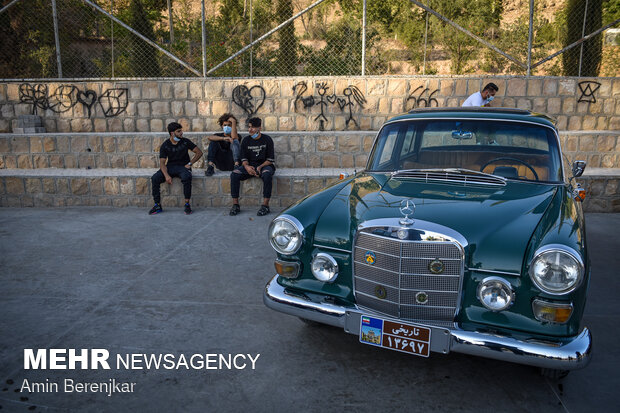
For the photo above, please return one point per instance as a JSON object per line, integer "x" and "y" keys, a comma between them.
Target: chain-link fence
{"x": 247, "y": 38}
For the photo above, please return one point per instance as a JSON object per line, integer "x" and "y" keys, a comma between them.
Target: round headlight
{"x": 285, "y": 235}
{"x": 555, "y": 270}
{"x": 324, "y": 267}
{"x": 495, "y": 293}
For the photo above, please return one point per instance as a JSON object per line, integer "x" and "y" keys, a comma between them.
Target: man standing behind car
{"x": 482, "y": 98}
{"x": 174, "y": 162}
{"x": 224, "y": 147}
{"x": 257, "y": 159}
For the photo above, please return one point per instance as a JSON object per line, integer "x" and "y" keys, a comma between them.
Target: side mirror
{"x": 578, "y": 168}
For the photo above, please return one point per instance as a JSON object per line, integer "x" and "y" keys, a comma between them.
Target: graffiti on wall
{"x": 416, "y": 99}
{"x": 587, "y": 89}
{"x": 249, "y": 99}
{"x": 112, "y": 101}
{"x": 351, "y": 97}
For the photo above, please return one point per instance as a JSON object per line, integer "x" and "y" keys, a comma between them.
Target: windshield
{"x": 509, "y": 149}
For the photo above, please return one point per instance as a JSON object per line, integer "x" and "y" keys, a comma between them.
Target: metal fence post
{"x": 251, "y": 38}
{"x": 529, "y": 39}
{"x": 55, "y": 16}
{"x": 204, "y": 41}
{"x": 364, "y": 40}
{"x": 583, "y": 33}
{"x": 112, "y": 36}
{"x": 170, "y": 22}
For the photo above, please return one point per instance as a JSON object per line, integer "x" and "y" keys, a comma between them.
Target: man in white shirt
{"x": 482, "y": 98}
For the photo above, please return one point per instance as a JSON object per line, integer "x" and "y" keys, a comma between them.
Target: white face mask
{"x": 227, "y": 129}
{"x": 254, "y": 136}
{"x": 176, "y": 139}
{"x": 490, "y": 98}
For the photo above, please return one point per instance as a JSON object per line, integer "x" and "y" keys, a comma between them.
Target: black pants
{"x": 179, "y": 171}
{"x": 266, "y": 174}
{"x": 224, "y": 154}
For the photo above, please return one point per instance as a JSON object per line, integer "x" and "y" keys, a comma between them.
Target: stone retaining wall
{"x": 293, "y": 149}
{"x": 141, "y": 150}
{"x": 301, "y": 104}
{"x": 133, "y": 188}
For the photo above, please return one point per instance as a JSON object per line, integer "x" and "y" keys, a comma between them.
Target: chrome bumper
{"x": 568, "y": 356}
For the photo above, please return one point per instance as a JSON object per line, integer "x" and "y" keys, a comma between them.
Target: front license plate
{"x": 408, "y": 338}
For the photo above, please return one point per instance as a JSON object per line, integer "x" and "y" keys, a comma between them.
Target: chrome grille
{"x": 464, "y": 177}
{"x": 402, "y": 270}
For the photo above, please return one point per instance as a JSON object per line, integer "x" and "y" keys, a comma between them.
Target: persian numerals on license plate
{"x": 403, "y": 337}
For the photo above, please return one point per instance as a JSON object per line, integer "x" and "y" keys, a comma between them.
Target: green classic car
{"x": 464, "y": 233}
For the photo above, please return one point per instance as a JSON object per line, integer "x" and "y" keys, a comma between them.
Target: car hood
{"x": 496, "y": 221}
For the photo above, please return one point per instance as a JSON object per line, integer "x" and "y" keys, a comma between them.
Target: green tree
{"x": 143, "y": 58}
{"x": 592, "y": 48}
{"x": 287, "y": 52}
{"x": 478, "y": 16}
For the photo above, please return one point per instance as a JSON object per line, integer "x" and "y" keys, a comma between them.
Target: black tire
{"x": 553, "y": 374}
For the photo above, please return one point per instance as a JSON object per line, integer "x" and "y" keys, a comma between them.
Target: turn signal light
{"x": 552, "y": 312}
{"x": 343, "y": 175}
{"x": 287, "y": 269}
{"x": 579, "y": 193}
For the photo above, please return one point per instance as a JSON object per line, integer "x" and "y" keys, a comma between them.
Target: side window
{"x": 388, "y": 147}
{"x": 409, "y": 142}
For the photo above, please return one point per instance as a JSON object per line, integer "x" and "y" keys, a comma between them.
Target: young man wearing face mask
{"x": 482, "y": 98}
{"x": 174, "y": 162}
{"x": 224, "y": 147}
{"x": 257, "y": 159}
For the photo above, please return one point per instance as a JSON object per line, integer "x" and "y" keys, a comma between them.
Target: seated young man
{"x": 257, "y": 159}
{"x": 224, "y": 147}
{"x": 174, "y": 162}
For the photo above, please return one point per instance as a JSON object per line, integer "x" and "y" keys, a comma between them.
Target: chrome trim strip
{"x": 301, "y": 305}
{"x": 404, "y": 273}
{"x": 412, "y": 289}
{"x": 513, "y": 274}
{"x": 575, "y": 354}
{"x": 407, "y": 258}
{"x": 427, "y": 227}
{"x": 331, "y": 248}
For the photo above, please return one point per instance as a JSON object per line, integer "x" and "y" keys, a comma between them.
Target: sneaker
{"x": 188, "y": 209}
{"x": 156, "y": 209}
{"x": 264, "y": 210}
{"x": 210, "y": 170}
{"x": 235, "y": 209}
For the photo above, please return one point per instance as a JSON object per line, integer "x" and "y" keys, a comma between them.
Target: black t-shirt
{"x": 257, "y": 151}
{"x": 176, "y": 154}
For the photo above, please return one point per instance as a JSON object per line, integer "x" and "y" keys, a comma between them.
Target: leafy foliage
{"x": 592, "y": 48}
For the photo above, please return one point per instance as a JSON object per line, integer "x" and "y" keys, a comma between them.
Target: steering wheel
{"x": 507, "y": 158}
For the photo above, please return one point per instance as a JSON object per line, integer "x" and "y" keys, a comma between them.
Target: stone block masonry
{"x": 132, "y": 187}
{"x": 340, "y": 149}
{"x": 297, "y": 104}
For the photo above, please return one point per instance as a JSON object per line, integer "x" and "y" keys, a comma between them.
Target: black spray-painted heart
{"x": 250, "y": 100}
{"x": 342, "y": 103}
{"x": 88, "y": 99}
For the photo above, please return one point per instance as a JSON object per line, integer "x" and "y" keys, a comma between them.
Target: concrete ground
{"x": 127, "y": 282}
